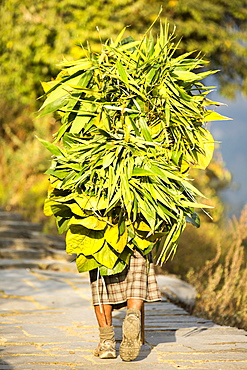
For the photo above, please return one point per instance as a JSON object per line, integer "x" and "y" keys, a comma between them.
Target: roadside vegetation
{"x": 221, "y": 283}
{"x": 36, "y": 36}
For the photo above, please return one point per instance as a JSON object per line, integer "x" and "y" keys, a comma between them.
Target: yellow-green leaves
{"x": 131, "y": 127}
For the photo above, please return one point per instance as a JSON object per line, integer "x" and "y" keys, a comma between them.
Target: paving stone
{"x": 10, "y": 215}
{"x": 52, "y": 326}
{"x": 20, "y": 224}
{"x": 37, "y": 264}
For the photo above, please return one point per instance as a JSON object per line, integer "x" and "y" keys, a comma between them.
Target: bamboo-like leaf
{"x": 108, "y": 159}
{"x": 55, "y": 150}
{"x": 119, "y": 38}
{"x": 137, "y": 171}
{"x": 55, "y": 105}
{"x": 79, "y": 123}
{"x": 122, "y": 72}
{"x": 214, "y": 116}
{"x": 59, "y": 89}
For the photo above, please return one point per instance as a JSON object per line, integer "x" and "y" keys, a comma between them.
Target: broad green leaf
{"x": 90, "y": 203}
{"x": 106, "y": 257}
{"x": 142, "y": 243}
{"x": 86, "y": 263}
{"x": 92, "y": 222}
{"x": 62, "y": 224}
{"x": 117, "y": 241}
{"x": 141, "y": 226}
{"x": 118, "y": 267}
{"x": 61, "y": 210}
{"x": 79, "y": 239}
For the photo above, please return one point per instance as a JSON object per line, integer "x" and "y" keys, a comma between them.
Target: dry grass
{"x": 222, "y": 283}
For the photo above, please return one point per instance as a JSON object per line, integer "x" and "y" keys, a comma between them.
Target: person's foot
{"x": 106, "y": 349}
{"x": 131, "y": 343}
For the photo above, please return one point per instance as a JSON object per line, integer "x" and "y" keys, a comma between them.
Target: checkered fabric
{"x": 137, "y": 281}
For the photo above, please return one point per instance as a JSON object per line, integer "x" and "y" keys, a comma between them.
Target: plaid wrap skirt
{"x": 136, "y": 281}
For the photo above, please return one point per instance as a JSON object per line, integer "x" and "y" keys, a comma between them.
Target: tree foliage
{"x": 36, "y": 35}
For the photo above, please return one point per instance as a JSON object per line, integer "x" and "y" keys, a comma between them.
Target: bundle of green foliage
{"x": 132, "y": 125}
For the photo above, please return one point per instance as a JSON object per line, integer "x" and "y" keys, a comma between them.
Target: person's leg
{"x": 131, "y": 342}
{"x": 106, "y": 347}
{"x": 104, "y": 314}
{"x": 135, "y": 303}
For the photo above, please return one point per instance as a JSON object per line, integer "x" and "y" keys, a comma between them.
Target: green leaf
{"x": 122, "y": 72}
{"x": 132, "y": 121}
{"x": 86, "y": 263}
{"x": 51, "y": 147}
{"x": 108, "y": 159}
{"x": 60, "y": 210}
{"x": 55, "y": 105}
{"x": 106, "y": 256}
{"x": 79, "y": 239}
{"x": 194, "y": 219}
{"x": 79, "y": 123}
{"x": 137, "y": 171}
{"x": 116, "y": 240}
{"x": 119, "y": 37}
{"x": 145, "y": 129}
{"x": 92, "y": 222}
{"x": 60, "y": 90}
{"x": 214, "y": 116}
{"x": 118, "y": 267}
{"x": 62, "y": 224}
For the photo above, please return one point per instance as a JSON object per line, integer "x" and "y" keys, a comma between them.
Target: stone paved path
{"x": 47, "y": 322}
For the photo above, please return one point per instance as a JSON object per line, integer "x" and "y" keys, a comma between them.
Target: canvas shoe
{"x": 106, "y": 349}
{"x": 131, "y": 343}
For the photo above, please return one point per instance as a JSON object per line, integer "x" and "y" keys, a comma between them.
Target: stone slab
{"x": 48, "y": 323}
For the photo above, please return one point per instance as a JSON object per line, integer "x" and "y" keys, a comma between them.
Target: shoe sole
{"x": 130, "y": 346}
{"x": 105, "y": 355}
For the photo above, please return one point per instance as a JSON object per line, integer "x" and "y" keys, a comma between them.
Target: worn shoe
{"x": 131, "y": 343}
{"x": 106, "y": 349}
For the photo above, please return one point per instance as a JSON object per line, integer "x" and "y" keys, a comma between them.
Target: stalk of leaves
{"x": 132, "y": 124}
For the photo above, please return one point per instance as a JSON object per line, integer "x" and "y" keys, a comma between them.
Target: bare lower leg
{"x": 135, "y": 303}
{"x": 104, "y": 316}
{"x": 107, "y": 343}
